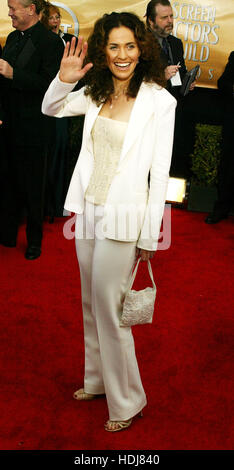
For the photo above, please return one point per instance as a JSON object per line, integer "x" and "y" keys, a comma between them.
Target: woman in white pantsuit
{"x": 128, "y": 134}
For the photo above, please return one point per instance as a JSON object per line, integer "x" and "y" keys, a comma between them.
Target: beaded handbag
{"x": 138, "y": 306}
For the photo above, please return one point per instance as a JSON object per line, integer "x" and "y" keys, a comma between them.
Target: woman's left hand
{"x": 145, "y": 255}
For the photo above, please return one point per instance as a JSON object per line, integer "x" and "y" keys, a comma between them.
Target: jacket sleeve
{"x": 60, "y": 101}
{"x": 159, "y": 175}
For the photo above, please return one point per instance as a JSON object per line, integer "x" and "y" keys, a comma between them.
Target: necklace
{"x": 117, "y": 95}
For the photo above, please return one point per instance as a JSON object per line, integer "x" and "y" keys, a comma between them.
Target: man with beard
{"x": 159, "y": 19}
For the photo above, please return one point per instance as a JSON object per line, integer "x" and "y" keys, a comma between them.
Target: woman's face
{"x": 54, "y": 21}
{"x": 122, "y": 53}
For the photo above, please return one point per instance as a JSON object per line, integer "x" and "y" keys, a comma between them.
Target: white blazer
{"x": 147, "y": 148}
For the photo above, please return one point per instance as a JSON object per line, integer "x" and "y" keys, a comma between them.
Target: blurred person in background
{"x": 51, "y": 18}
{"x": 3, "y": 164}
{"x": 160, "y": 22}
{"x": 225, "y": 201}
{"x": 58, "y": 155}
{"x": 30, "y": 60}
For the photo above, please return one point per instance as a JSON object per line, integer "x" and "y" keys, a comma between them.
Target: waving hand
{"x": 71, "y": 68}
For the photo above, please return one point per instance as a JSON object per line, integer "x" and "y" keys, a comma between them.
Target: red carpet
{"x": 185, "y": 356}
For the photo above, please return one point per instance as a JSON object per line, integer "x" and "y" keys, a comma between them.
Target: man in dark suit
{"x": 2, "y": 154}
{"x": 30, "y": 60}
{"x": 159, "y": 19}
{"x": 225, "y": 200}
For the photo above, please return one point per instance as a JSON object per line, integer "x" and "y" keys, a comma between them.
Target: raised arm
{"x": 59, "y": 99}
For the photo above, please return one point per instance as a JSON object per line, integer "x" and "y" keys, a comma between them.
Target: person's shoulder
{"x": 231, "y": 57}
{"x": 52, "y": 37}
{"x": 68, "y": 37}
{"x": 11, "y": 35}
{"x": 158, "y": 92}
{"x": 174, "y": 39}
{"x": 46, "y": 35}
{"x": 55, "y": 39}
{"x": 157, "y": 97}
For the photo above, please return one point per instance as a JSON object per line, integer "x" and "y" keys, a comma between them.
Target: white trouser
{"x": 110, "y": 360}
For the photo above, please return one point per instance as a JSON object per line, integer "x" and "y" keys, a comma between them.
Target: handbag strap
{"x": 135, "y": 271}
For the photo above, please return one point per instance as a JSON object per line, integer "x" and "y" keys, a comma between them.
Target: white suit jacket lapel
{"x": 93, "y": 113}
{"x": 143, "y": 109}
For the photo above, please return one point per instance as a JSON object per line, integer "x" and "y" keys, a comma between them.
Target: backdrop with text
{"x": 205, "y": 27}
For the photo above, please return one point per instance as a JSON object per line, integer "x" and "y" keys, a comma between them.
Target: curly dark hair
{"x": 98, "y": 81}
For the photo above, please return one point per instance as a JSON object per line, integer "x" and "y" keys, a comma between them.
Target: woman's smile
{"x": 122, "y": 53}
